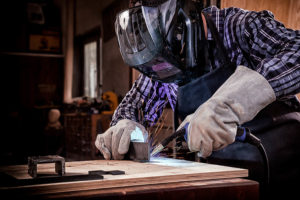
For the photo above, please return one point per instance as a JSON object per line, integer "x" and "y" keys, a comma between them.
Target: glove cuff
{"x": 246, "y": 92}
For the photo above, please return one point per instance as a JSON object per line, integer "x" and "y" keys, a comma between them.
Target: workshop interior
{"x": 63, "y": 78}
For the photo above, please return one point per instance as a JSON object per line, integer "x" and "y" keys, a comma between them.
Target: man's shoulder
{"x": 212, "y": 9}
{"x": 229, "y": 12}
{"x": 225, "y": 11}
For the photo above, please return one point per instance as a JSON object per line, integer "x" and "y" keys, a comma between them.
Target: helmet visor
{"x": 160, "y": 69}
{"x": 136, "y": 44}
{"x": 141, "y": 31}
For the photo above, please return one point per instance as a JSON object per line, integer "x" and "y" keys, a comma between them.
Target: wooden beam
{"x": 68, "y": 39}
{"x": 284, "y": 11}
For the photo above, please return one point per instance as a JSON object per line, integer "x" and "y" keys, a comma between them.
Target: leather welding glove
{"x": 114, "y": 143}
{"x": 214, "y": 124}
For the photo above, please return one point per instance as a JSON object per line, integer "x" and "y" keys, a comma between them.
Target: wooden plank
{"x": 294, "y": 17}
{"x": 158, "y": 171}
{"x": 212, "y": 189}
{"x": 284, "y": 11}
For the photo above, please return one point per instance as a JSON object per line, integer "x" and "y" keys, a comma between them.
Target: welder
{"x": 218, "y": 69}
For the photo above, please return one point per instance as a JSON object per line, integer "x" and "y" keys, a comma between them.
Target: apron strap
{"x": 221, "y": 50}
{"x": 218, "y": 41}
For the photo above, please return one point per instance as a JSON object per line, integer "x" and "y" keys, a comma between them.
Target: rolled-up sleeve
{"x": 146, "y": 97}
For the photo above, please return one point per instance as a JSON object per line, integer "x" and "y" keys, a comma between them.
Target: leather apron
{"x": 277, "y": 125}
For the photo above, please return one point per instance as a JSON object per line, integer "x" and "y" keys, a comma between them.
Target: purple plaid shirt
{"x": 274, "y": 52}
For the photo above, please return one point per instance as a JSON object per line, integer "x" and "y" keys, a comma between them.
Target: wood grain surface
{"x": 286, "y": 11}
{"x": 157, "y": 171}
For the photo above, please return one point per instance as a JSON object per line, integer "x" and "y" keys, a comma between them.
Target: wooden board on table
{"x": 157, "y": 171}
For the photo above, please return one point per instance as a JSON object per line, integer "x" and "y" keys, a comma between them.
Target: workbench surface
{"x": 155, "y": 179}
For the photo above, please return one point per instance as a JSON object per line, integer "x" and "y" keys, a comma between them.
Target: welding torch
{"x": 243, "y": 135}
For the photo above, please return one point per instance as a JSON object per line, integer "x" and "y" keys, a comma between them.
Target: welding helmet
{"x": 158, "y": 40}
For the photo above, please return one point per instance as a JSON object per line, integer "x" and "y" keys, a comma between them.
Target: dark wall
{"x": 31, "y": 77}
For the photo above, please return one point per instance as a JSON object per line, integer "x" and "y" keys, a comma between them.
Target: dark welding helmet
{"x": 157, "y": 40}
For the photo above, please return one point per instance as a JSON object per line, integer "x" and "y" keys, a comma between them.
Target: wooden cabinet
{"x": 80, "y": 134}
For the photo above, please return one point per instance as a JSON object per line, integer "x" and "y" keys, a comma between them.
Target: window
{"x": 90, "y": 69}
{"x": 86, "y": 71}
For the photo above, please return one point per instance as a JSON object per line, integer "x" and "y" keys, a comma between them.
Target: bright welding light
{"x": 137, "y": 135}
{"x": 172, "y": 162}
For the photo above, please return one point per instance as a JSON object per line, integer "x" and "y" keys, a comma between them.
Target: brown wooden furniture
{"x": 159, "y": 179}
{"x": 81, "y": 130}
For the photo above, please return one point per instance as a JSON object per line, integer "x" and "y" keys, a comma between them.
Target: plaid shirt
{"x": 274, "y": 52}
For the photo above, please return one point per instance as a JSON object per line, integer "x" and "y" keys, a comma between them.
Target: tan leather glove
{"x": 114, "y": 143}
{"x": 214, "y": 124}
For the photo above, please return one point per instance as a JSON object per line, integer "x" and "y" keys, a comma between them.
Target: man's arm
{"x": 145, "y": 95}
{"x": 275, "y": 52}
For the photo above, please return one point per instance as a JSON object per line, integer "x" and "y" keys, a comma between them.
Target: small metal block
{"x": 139, "y": 151}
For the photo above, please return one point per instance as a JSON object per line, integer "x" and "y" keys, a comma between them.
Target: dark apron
{"x": 278, "y": 127}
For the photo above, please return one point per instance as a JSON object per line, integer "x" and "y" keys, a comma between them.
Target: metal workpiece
{"x": 35, "y": 160}
{"x": 139, "y": 151}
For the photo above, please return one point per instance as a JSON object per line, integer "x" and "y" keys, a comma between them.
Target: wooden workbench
{"x": 159, "y": 179}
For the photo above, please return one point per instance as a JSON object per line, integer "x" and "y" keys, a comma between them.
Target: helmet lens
{"x": 165, "y": 70}
{"x": 160, "y": 69}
